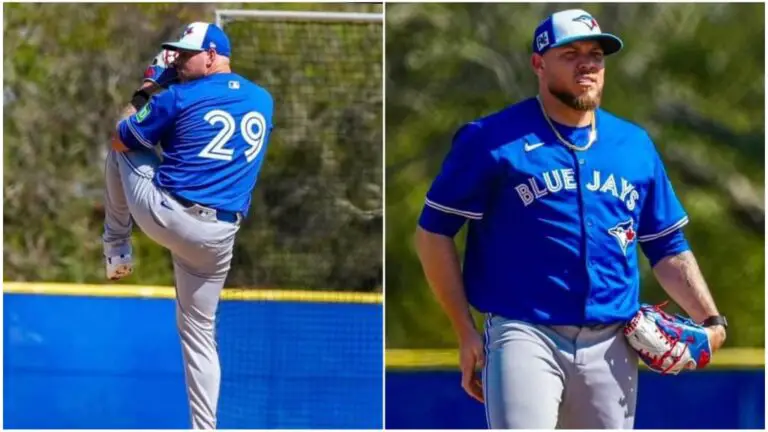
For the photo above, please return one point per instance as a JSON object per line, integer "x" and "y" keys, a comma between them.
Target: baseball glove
{"x": 161, "y": 71}
{"x": 668, "y": 344}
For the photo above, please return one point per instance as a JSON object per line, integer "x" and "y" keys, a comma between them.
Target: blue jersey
{"x": 553, "y": 232}
{"x": 214, "y": 133}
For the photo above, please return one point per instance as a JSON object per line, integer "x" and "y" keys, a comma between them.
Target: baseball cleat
{"x": 119, "y": 266}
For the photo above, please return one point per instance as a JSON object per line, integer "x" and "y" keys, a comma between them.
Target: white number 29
{"x": 216, "y": 148}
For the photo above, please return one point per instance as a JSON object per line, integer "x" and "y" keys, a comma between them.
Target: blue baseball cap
{"x": 201, "y": 36}
{"x": 564, "y": 27}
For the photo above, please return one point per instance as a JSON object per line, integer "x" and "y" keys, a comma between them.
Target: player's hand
{"x": 716, "y": 336}
{"x": 472, "y": 356}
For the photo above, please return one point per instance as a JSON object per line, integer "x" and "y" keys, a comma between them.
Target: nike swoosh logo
{"x": 529, "y": 147}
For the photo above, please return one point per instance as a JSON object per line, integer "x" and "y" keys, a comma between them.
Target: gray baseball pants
{"x": 564, "y": 377}
{"x": 201, "y": 248}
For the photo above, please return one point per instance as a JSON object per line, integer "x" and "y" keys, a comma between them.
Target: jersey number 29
{"x": 216, "y": 148}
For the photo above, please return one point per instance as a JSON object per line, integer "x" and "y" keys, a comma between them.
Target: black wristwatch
{"x": 715, "y": 321}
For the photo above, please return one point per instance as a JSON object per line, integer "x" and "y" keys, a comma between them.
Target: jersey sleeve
{"x": 662, "y": 213}
{"x": 145, "y": 128}
{"x": 460, "y": 190}
{"x": 672, "y": 244}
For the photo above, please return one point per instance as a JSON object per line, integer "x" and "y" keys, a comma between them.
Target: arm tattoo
{"x": 681, "y": 278}
{"x": 690, "y": 270}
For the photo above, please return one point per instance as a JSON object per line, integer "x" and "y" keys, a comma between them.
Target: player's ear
{"x": 211, "y": 57}
{"x": 537, "y": 63}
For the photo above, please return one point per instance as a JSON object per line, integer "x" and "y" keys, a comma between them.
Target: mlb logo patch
{"x": 542, "y": 40}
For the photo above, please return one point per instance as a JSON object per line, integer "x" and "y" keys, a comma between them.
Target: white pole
{"x": 299, "y": 16}
{"x": 219, "y": 22}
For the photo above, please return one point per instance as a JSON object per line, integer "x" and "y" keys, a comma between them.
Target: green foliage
{"x": 319, "y": 203}
{"x": 691, "y": 74}
{"x": 316, "y": 216}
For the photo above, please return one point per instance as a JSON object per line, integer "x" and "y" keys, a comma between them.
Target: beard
{"x": 587, "y": 101}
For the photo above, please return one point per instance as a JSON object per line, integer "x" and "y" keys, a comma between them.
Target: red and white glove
{"x": 668, "y": 344}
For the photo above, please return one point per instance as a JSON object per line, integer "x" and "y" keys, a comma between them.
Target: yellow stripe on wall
{"x": 165, "y": 292}
{"x": 449, "y": 358}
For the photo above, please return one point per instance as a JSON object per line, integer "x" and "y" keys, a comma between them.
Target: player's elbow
{"x": 118, "y": 145}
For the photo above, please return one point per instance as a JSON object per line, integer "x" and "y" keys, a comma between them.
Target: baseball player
{"x": 558, "y": 194}
{"x": 214, "y": 126}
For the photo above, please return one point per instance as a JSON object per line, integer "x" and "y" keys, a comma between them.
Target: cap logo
{"x": 189, "y": 30}
{"x": 587, "y": 20}
{"x": 542, "y": 40}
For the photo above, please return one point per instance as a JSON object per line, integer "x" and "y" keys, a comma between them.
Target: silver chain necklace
{"x": 592, "y": 133}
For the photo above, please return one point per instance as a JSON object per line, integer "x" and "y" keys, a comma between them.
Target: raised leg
{"x": 118, "y": 223}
